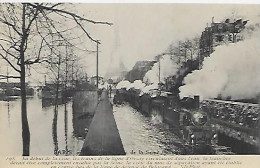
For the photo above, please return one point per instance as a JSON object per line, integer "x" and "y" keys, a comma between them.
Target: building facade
{"x": 139, "y": 70}
{"x": 220, "y": 33}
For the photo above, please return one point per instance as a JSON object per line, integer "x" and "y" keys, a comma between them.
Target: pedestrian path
{"x": 103, "y": 137}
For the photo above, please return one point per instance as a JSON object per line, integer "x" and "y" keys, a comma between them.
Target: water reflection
{"x": 8, "y": 111}
{"x": 54, "y": 130}
{"x": 146, "y": 135}
{"x": 51, "y": 128}
{"x": 81, "y": 123}
{"x": 66, "y": 128}
{"x": 66, "y": 151}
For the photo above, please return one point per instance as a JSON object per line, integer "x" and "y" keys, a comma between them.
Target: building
{"x": 220, "y": 33}
{"x": 139, "y": 70}
{"x": 116, "y": 73}
{"x": 5, "y": 85}
{"x": 93, "y": 80}
{"x": 215, "y": 35}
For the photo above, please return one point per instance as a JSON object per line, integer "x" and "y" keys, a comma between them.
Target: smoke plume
{"x": 168, "y": 67}
{"x": 232, "y": 70}
{"x": 123, "y": 84}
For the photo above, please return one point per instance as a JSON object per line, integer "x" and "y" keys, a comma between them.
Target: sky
{"x": 142, "y": 31}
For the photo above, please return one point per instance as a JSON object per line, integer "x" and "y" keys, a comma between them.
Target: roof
{"x": 94, "y": 77}
{"x": 86, "y": 86}
{"x": 139, "y": 70}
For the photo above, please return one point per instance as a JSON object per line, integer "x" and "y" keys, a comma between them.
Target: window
{"x": 220, "y": 28}
{"x": 219, "y": 38}
{"x": 230, "y": 37}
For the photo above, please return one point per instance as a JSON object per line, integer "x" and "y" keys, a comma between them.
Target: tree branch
{"x": 97, "y": 41}
{"x": 8, "y": 76}
{"x": 13, "y": 26}
{"x": 1, "y": 39}
{"x": 6, "y": 59}
{"x": 68, "y": 13}
{"x": 7, "y": 51}
{"x": 34, "y": 17}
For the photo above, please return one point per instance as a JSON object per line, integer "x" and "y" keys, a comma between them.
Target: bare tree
{"x": 27, "y": 40}
{"x": 189, "y": 49}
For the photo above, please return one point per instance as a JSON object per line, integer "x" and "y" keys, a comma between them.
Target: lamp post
{"x": 159, "y": 70}
{"x": 7, "y": 74}
{"x": 97, "y": 63}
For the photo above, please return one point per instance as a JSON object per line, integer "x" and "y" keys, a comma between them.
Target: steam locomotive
{"x": 192, "y": 125}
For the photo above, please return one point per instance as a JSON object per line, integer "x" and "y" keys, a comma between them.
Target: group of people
{"x": 242, "y": 114}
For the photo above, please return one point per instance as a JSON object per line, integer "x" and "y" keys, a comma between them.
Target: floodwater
{"x": 144, "y": 135}
{"x": 62, "y": 132}
{"x": 51, "y": 133}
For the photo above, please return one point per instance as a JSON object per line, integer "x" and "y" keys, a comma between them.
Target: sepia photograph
{"x": 129, "y": 79}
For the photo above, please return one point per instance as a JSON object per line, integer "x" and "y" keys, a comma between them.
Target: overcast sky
{"x": 141, "y": 31}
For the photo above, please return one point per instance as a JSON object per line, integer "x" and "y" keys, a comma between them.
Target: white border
{"x": 144, "y": 1}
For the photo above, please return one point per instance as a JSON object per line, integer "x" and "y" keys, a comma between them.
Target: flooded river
{"x": 46, "y": 139}
{"x": 56, "y": 133}
{"x": 144, "y": 135}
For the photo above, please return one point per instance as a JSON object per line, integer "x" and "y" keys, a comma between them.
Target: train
{"x": 191, "y": 124}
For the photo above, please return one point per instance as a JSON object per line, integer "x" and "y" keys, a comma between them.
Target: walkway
{"x": 103, "y": 137}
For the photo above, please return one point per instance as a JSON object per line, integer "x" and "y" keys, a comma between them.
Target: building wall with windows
{"x": 219, "y": 34}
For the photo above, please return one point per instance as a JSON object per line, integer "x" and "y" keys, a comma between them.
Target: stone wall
{"x": 85, "y": 101}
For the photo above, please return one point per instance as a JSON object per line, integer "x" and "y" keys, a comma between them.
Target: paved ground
{"x": 103, "y": 137}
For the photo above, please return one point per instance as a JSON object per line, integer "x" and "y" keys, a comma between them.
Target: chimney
{"x": 227, "y": 20}
{"x": 197, "y": 101}
{"x": 212, "y": 19}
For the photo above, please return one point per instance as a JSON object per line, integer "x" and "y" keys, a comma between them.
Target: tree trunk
{"x": 54, "y": 131}
{"x": 66, "y": 128}
{"x": 57, "y": 84}
{"x": 25, "y": 125}
{"x": 55, "y": 117}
